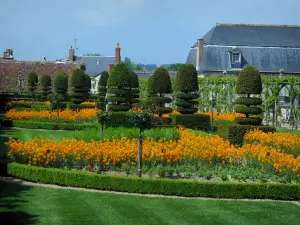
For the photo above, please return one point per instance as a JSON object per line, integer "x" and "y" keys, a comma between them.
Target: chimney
{"x": 110, "y": 67}
{"x": 118, "y": 54}
{"x": 199, "y": 49}
{"x": 8, "y": 54}
{"x": 71, "y": 54}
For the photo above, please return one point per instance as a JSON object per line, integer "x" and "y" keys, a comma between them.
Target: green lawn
{"x": 280, "y": 130}
{"x": 39, "y": 205}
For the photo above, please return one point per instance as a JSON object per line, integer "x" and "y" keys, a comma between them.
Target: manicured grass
{"x": 39, "y": 205}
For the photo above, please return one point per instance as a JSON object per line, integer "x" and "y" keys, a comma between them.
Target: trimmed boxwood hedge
{"x": 53, "y": 125}
{"x": 192, "y": 121}
{"x": 155, "y": 186}
{"x": 235, "y": 132}
{"x": 80, "y": 106}
{"x": 248, "y": 110}
{"x": 248, "y": 101}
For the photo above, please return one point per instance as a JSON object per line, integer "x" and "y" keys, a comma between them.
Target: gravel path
{"x": 14, "y": 180}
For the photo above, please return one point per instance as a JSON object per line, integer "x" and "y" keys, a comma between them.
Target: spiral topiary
{"x": 78, "y": 83}
{"x": 32, "y": 81}
{"x": 118, "y": 91}
{"x": 186, "y": 86}
{"x": 46, "y": 85}
{"x": 159, "y": 85}
{"x": 248, "y": 82}
{"x": 60, "y": 83}
{"x": 102, "y": 87}
{"x": 134, "y": 88}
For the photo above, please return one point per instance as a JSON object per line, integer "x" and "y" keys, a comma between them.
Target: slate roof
{"x": 96, "y": 64}
{"x": 268, "y": 48}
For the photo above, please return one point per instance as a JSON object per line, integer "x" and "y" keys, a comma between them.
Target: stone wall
{"x": 9, "y": 70}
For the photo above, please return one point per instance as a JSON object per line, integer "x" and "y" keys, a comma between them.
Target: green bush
{"x": 248, "y": 121}
{"x": 32, "y": 81}
{"x": 78, "y": 83}
{"x": 235, "y": 132}
{"x": 155, "y": 186}
{"x": 192, "y": 121}
{"x": 46, "y": 85}
{"x": 134, "y": 88}
{"x": 186, "y": 85}
{"x": 60, "y": 83}
{"x": 158, "y": 85}
{"x": 53, "y": 125}
{"x": 88, "y": 86}
{"x": 102, "y": 90}
{"x": 248, "y": 82}
{"x": 119, "y": 86}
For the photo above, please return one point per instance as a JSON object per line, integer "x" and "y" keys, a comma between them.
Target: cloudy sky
{"x": 149, "y": 31}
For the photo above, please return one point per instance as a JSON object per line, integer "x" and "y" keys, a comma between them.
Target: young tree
{"x": 186, "y": 87}
{"x": 248, "y": 82}
{"x": 78, "y": 83}
{"x": 102, "y": 87}
{"x": 46, "y": 85}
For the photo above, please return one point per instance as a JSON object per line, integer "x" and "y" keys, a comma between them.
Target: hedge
{"x": 155, "y": 186}
{"x": 235, "y": 133}
{"x": 80, "y": 106}
{"x": 192, "y": 121}
{"x": 53, "y": 125}
{"x": 248, "y": 101}
{"x": 247, "y": 110}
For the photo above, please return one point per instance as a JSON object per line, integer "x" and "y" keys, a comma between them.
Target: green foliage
{"x": 32, "y": 81}
{"x": 52, "y": 125}
{"x": 235, "y": 133}
{"x": 134, "y": 88}
{"x": 248, "y": 121}
{"x": 194, "y": 121}
{"x": 78, "y": 82}
{"x": 80, "y": 106}
{"x": 102, "y": 90}
{"x": 46, "y": 85}
{"x": 249, "y": 81}
{"x": 61, "y": 83}
{"x": 161, "y": 82}
{"x": 88, "y": 85}
{"x": 154, "y": 186}
{"x": 247, "y": 110}
{"x": 248, "y": 101}
{"x": 187, "y": 79}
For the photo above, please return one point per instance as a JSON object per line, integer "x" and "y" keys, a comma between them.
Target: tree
{"x": 32, "y": 81}
{"x": 160, "y": 85}
{"x": 134, "y": 87}
{"x": 60, "y": 83}
{"x": 186, "y": 86}
{"x": 46, "y": 85}
{"x": 88, "y": 85}
{"x": 248, "y": 82}
{"x": 129, "y": 63}
{"x": 139, "y": 66}
{"x": 78, "y": 86}
{"x": 102, "y": 87}
{"x": 118, "y": 88}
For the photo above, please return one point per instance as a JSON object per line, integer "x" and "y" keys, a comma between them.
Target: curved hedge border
{"x": 53, "y": 125}
{"x": 155, "y": 186}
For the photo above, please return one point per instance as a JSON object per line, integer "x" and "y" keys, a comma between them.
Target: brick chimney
{"x": 199, "y": 53}
{"x": 118, "y": 54}
{"x": 110, "y": 67}
{"x": 71, "y": 54}
{"x": 8, "y": 54}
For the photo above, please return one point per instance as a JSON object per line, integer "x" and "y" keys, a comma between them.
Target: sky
{"x": 149, "y": 31}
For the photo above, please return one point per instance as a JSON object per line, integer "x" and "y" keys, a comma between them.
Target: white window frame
{"x": 234, "y": 57}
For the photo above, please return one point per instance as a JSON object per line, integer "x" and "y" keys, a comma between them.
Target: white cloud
{"x": 108, "y": 12}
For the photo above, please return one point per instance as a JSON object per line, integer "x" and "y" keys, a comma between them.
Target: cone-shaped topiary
{"x": 32, "y": 81}
{"x": 78, "y": 94}
{"x": 102, "y": 87}
{"x": 46, "y": 85}
{"x": 118, "y": 88}
{"x": 248, "y": 82}
{"x": 88, "y": 85}
{"x": 186, "y": 86}
{"x": 134, "y": 88}
{"x": 60, "y": 83}
{"x": 159, "y": 85}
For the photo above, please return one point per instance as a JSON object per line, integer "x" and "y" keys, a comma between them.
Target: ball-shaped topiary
{"x": 134, "y": 88}
{"x": 46, "y": 85}
{"x": 60, "y": 83}
{"x": 159, "y": 85}
{"x": 186, "y": 86}
{"x": 32, "y": 81}
{"x": 119, "y": 88}
{"x": 102, "y": 87}
{"x": 78, "y": 83}
{"x": 248, "y": 82}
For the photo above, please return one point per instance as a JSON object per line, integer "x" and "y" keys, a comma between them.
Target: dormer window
{"x": 236, "y": 57}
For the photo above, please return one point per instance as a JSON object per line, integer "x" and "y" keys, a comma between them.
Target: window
{"x": 235, "y": 57}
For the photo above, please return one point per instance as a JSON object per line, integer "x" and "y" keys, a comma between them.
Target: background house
{"x": 230, "y": 47}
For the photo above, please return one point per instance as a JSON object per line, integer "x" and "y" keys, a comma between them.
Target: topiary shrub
{"x": 248, "y": 82}
{"x": 134, "y": 88}
{"x": 186, "y": 86}
{"x": 78, "y": 83}
{"x": 118, "y": 91}
{"x": 32, "y": 81}
{"x": 88, "y": 86}
{"x": 160, "y": 84}
{"x": 46, "y": 85}
{"x": 102, "y": 87}
{"x": 60, "y": 83}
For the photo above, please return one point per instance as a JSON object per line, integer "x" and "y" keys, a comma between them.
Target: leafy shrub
{"x": 119, "y": 86}
{"x": 154, "y": 186}
{"x": 46, "y": 85}
{"x": 102, "y": 90}
{"x": 248, "y": 82}
{"x": 186, "y": 85}
{"x": 32, "y": 81}
{"x": 194, "y": 121}
{"x": 235, "y": 133}
{"x": 78, "y": 83}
